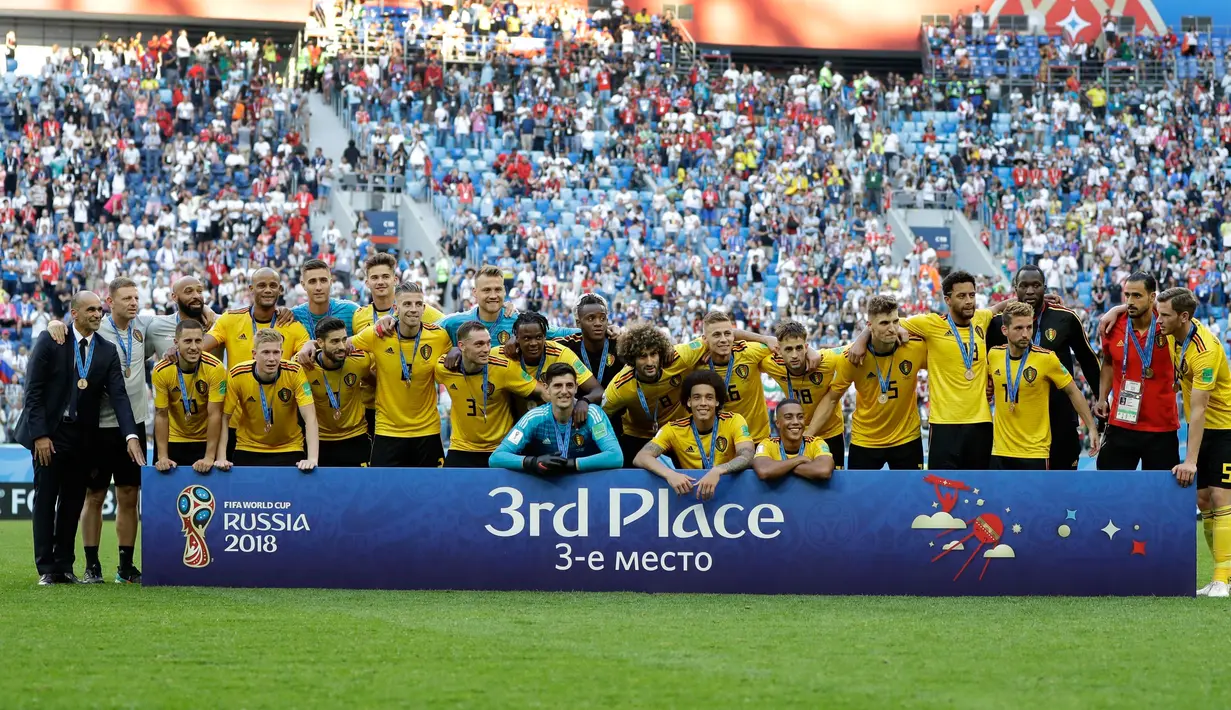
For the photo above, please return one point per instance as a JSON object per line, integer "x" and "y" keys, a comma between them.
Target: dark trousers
{"x": 1123, "y": 449}
{"x": 959, "y": 447}
{"x": 467, "y": 459}
{"x": 903, "y": 457}
{"x": 346, "y": 453}
{"x": 1012, "y": 463}
{"x": 631, "y": 446}
{"x": 837, "y": 449}
{"x": 59, "y": 494}
{"x": 409, "y": 452}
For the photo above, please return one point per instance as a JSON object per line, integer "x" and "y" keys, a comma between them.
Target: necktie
{"x": 75, "y": 392}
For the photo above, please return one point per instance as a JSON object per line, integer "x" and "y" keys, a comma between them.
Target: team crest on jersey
{"x": 284, "y": 394}
{"x": 610, "y": 359}
{"x": 675, "y": 380}
{"x": 425, "y": 352}
{"x": 490, "y": 389}
{"x": 350, "y": 379}
{"x": 1030, "y": 374}
{"x": 201, "y": 387}
{"x": 742, "y": 371}
{"x": 579, "y": 440}
{"x": 137, "y": 336}
{"x": 979, "y": 331}
{"x": 721, "y": 443}
{"x": 503, "y": 337}
{"x": 905, "y": 367}
{"x": 1183, "y": 367}
{"x": 815, "y": 378}
{"x": 1160, "y": 341}
{"x": 1050, "y": 334}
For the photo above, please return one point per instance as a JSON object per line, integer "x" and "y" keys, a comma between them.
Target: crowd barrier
{"x": 866, "y": 532}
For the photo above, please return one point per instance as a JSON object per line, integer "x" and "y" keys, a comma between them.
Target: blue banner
{"x": 866, "y": 532}
{"x": 384, "y": 226}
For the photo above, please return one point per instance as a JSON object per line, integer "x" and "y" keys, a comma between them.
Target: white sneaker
{"x": 1205, "y": 591}
{"x": 1219, "y": 589}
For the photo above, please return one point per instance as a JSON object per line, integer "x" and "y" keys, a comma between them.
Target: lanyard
{"x": 707, "y": 460}
{"x": 968, "y": 351}
{"x": 726, "y": 382}
{"x": 266, "y": 410}
{"x": 1038, "y": 324}
{"x": 652, "y": 416}
{"x": 562, "y": 442}
{"x": 407, "y": 369}
{"x": 314, "y": 320}
{"x": 83, "y": 368}
{"x": 788, "y": 457}
{"x": 883, "y": 379}
{"x": 1146, "y": 354}
{"x": 467, "y": 377}
{"x": 538, "y": 372}
{"x": 1179, "y": 370}
{"x": 126, "y": 350}
{"x": 1014, "y": 384}
{"x": 602, "y": 362}
{"x": 185, "y": 397}
{"x": 252, "y": 314}
{"x": 335, "y": 398}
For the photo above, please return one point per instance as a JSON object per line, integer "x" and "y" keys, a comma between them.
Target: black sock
{"x": 126, "y": 557}
{"x": 91, "y": 556}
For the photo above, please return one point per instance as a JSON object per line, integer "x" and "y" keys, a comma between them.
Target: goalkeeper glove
{"x": 543, "y": 464}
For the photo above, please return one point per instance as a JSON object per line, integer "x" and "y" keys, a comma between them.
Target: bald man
{"x": 65, "y": 385}
{"x": 235, "y": 330}
{"x": 188, "y": 297}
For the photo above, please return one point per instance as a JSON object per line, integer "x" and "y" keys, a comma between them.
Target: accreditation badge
{"x": 1129, "y": 404}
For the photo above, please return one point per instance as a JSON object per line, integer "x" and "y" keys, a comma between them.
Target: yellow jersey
{"x": 771, "y": 448}
{"x": 284, "y": 396}
{"x": 235, "y": 330}
{"x": 406, "y": 410}
{"x": 954, "y": 399}
{"x": 367, "y": 315}
{"x": 207, "y": 384}
{"x": 344, "y": 383}
{"x": 1023, "y": 431}
{"x": 809, "y": 387}
{"x": 662, "y": 398}
{"x": 481, "y": 416}
{"x": 876, "y": 424}
{"x": 552, "y": 353}
{"x": 677, "y": 440}
{"x": 745, "y": 393}
{"x": 1203, "y": 366}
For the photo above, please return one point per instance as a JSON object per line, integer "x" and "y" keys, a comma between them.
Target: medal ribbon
{"x": 1179, "y": 370}
{"x": 602, "y": 362}
{"x": 466, "y": 377}
{"x": 968, "y": 351}
{"x": 1038, "y": 324}
{"x": 407, "y": 369}
{"x": 83, "y": 368}
{"x": 652, "y": 416}
{"x": 1147, "y": 354}
{"x": 185, "y": 397}
{"x": 335, "y": 399}
{"x": 266, "y": 410}
{"x": 707, "y": 460}
{"x": 884, "y": 379}
{"x": 563, "y": 442}
{"x": 126, "y": 350}
{"x": 726, "y": 381}
{"x": 252, "y": 315}
{"x": 1014, "y": 385}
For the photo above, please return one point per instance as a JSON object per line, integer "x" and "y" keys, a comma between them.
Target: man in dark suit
{"x": 65, "y": 385}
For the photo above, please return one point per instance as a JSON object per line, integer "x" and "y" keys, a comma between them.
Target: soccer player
{"x": 960, "y": 425}
{"x": 407, "y": 421}
{"x": 807, "y": 385}
{"x": 594, "y": 345}
{"x": 1023, "y": 376}
{"x": 791, "y": 451}
{"x": 709, "y": 439}
{"x": 188, "y": 397}
{"x": 317, "y": 280}
{"x": 188, "y": 295}
{"x": 1059, "y": 330}
{"x": 335, "y": 390}
{"x": 490, "y": 311}
{"x": 546, "y": 441}
{"x": 124, "y": 330}
{"x": 885, "y": 426}
{"x": 1138, "y": 374}
{"x": 534, "y": 354}
{"x": 644, "y": 395}
{"x": 263, "y": 397}
{"x": 480, "y": 390}
{"x": 235, "y": 331}
{"x": 380, "y": 276}
{"x": 1205, "y": 381}
{"x": 739, "y": 364}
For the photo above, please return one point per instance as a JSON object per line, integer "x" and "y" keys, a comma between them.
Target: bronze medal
{"x": 1175, "y": 386}
{"x": 882, "y": 398}
{"x": 126, "y": 371}
{"x": 1147, "y": 372}
{"x": 268, "y": 426}
{"x": 82, "y": 383}
{"x": 1012, "y": 407}
{"x": 337, "y": 414}
{"x": 970, "y": 375}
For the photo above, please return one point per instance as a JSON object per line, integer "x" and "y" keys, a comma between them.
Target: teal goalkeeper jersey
{"x": 500, "y": 329}
{"x": 593, "y": 445}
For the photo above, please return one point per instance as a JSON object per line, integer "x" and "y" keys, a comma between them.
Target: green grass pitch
{"x": 128, "y": 647}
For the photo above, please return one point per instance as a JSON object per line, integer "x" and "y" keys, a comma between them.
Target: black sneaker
{"x": 132, "y": 575}
{"x": 93, "y": 575}
{"x": 46, "y": 580}
{"x": 69, "y": 578}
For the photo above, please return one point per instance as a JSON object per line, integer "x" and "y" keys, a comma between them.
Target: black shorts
{"x": 467, "y": 459}
{"x": 631, "y": 446}
{"x": 111, "y": 458}
{"x": 959, "y": 447}
{"x": 407, "y": 452}
{"x": 369, "y": 415}
{"x": 1065, "y": 445}
{"x": 232, "y": 440}
{"x": 1214, "y": 459}
{"x": 185, "y": 453}
{"x": 1012, "y": 463}
{"x": 903, "y": 457}
{"x": 266, "y": 458}
{"x": 837, "y": 449}
{"x": 346, "y": 453}
{"x": 1125, "y": 449}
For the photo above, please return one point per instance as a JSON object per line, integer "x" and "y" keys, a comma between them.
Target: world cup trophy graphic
{"x": 196, "y": 509}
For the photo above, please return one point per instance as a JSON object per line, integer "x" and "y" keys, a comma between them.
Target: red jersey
{"x": 1158, "y": 409}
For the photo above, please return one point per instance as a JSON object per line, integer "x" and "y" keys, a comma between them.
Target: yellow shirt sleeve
{"x": 234, "y": 388}
{"x": 665, "y": 439}
{"x": 301, "y": 388}
{"x": 515, "y": 380}
{"x": 364, "y": 340}
{"x": 817, "y": 448}
{"x": 220, "y": 327}
{"x": 739, "y": 429}
{"x": 768, "y": 449}
{"x": 1056, "y": 372}
{"x": 1204, "y": 367}
{"x": 162, "y": 392}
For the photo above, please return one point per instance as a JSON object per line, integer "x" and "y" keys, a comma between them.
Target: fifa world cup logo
{"x": 196, "y": 509}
